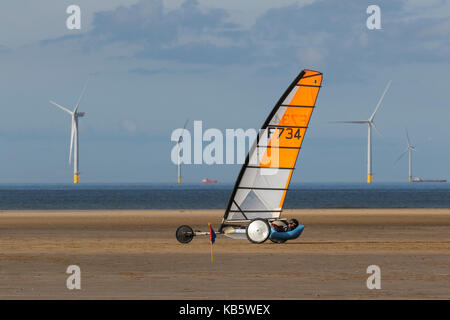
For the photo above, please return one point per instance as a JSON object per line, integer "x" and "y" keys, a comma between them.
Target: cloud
{"x": 333, "y": 36}
{"x": 322, "y": 34}
{"x": 160, "y": 34}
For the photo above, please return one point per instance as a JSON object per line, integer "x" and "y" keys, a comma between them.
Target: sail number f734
{"x": 289, "y": 133}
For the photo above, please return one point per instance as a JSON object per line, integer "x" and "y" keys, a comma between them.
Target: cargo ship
{"x": 209, "y": 181}
{"x": 416, "y": 179}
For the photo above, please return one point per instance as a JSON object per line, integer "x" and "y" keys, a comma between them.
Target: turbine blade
{"x": 81, "y": 96}
{"x": 180, "y": 138}
{"x": 61, "y": 107}
{"x": 379, "y": 101}
{"x": 375, "y": 127}
{"x": 401, "y": 156}
{"x": 407, "y": 138}
{"x": 185, "y": 124}
{"x": 356, "y": 121}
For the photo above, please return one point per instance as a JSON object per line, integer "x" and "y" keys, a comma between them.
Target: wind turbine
{"x": 180, "y": 140}
{"x": 75, "y": 114}
{"x": 409, "y": 149}
{"x": 370, "y": 125}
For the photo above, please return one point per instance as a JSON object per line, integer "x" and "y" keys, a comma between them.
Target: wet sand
{"x": 134, "y": 255}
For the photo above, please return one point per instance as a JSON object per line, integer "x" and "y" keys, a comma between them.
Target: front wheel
{"x": 258, "y": 231}
{"x": 184, "y": 234}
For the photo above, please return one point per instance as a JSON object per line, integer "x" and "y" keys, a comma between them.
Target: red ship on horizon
{"x": 209, "y": 181}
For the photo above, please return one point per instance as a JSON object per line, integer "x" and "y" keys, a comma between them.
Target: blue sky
{"x": 152, "y": 64}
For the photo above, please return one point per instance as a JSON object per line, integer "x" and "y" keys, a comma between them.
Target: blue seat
{"x": 289, "y": 235}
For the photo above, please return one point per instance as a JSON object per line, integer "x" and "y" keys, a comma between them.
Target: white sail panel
{"x": 257, "y": 178}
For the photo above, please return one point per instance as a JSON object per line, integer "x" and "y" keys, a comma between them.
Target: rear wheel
{"x": 184, "y": 234}
{"x": 258, "y": 231}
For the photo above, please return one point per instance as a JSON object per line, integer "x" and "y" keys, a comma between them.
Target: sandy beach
{"x": 134, "y": 255}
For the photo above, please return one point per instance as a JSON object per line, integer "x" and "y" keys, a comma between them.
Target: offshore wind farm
{"x": 135, "y": 224}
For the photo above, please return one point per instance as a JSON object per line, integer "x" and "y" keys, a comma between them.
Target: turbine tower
{"x": 409, "y": 149}
{"x": 74, "y": 150}
{"x": 180, "y": 140}
{"x": 370, "y": 125}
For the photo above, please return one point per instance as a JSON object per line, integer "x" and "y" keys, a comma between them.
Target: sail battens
{"x": 278, "y": 147}
{"x": 294, "y": 106}
{"x": 259, "y": 188}
{"x": 261, "y": 167}
{"x": 308, "y": 85}
{"x": 256, "y": 211}
{"x": 311, "y": 75}
{"x": 278, "y": 126}
{"x": 264, "y": 179}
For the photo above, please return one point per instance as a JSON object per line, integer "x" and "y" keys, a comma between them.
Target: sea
{"x": 216, "y": 196}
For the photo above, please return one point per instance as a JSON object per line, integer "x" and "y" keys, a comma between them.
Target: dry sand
{"x": 134, "y": 255}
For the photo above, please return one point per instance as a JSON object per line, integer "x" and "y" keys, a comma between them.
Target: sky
{"x": 152, "y": 64}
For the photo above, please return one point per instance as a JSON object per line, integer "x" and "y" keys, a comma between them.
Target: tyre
{"x": 277, "y": 240}
{"x": 258, "y": 231}
{"x": 184, "y": 234}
